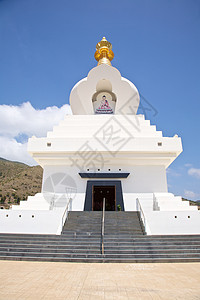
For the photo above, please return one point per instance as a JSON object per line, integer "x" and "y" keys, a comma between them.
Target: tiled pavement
{"x": 49, "y": 280}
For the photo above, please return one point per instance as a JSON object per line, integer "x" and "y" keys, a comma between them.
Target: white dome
{"x": 104, "y": 78}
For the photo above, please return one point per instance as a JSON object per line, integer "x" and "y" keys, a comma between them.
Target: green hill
{"x": 18, "y": 181}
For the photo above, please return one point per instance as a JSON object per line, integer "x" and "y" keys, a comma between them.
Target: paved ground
{"x": 49, "y": 280}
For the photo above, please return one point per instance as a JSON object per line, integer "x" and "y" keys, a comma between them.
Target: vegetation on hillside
{"x": 18, "y": 181}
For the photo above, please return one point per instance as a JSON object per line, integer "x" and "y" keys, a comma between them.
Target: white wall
{"x": 65, "y": 179}
{"x": 145, "y": 179}
{"x": 32, "y": 221}
{"x": 173, "y": 222}
{"x": 179, "y": 219}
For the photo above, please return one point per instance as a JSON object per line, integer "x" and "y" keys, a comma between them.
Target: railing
{"x": 52, "y": 203}
{"x": 65, "y": 214}
{"x": 139, "y": 208}
{"x": 155, "y": 203}
{"x": 102, "y": 226}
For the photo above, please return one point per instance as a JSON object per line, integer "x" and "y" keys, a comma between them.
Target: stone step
{"x": 39, "y": 246}
{"x": 107, "y": 256}
{"x": 153, "y": 251}
{"x": 94, "y": 250}
{"x": 68, "y": 242}
{"x": 144, "y": 237}
{"x": 147, "y": 244}
{"x": 24, "y": 251}
{"x": 111, "y": 247}
{"x": 114, "y": 240}
{"x": 103, "y": 260}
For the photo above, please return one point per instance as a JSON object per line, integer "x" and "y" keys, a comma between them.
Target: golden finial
{"x": 104, "y": 53}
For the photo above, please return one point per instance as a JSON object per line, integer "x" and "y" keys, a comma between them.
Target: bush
{"x": 2, "y": 201}
{"x": 119, "y": 207}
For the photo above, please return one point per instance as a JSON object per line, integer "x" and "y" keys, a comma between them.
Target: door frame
{"x": 88, "y": 206}
{"x": 103, "y": 187}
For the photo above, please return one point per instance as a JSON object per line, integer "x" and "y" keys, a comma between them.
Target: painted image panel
{"x": 103, "y": 103}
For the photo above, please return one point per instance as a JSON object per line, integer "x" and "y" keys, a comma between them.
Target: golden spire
{"x": 104, "y": 53}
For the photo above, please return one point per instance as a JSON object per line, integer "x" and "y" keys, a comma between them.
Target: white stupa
{"x": 104, "y": 150}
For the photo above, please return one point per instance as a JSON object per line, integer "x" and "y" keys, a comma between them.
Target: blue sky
{"x": 47, "y": 46}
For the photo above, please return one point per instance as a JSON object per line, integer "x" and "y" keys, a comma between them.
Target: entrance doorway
{"x": 116, "y": 187}
{"x": 107, "y": 192}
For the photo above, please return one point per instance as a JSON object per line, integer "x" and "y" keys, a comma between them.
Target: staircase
{"x": 118, "y": 223}
{"x": 80, "y": 241}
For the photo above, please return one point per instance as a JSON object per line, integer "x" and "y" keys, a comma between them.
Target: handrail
{"x": 155, "y": 203}
{"x": 139, "y": 208}
{"x": 66, "y": 210}
{"x": 52, "y": 203}
{"x": 102, "y": 226}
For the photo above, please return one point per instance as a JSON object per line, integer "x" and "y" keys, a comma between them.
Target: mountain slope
{"x": 18, "y": 181}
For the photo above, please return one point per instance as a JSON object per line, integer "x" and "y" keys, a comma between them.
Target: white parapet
{"x": 165, "y": 214}
{"x": 30, "y": 221}
{"x": 40, "y": 214}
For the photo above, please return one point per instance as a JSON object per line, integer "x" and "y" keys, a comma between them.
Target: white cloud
{"x": 23, "y": 121}
{"x": 12, "y": 150}
{"x": 194, "y": 172}
{"x": 15, "y": 120}
{"x": 190, "y": 194}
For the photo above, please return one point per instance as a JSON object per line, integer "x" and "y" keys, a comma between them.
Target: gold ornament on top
{"x": 104, "y": 53}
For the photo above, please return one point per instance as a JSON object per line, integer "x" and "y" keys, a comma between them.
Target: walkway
{"x": 71, "y": 281}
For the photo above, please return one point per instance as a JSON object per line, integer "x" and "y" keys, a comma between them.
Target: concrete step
{"x": 114, "y": 240}
{"x": 144, "y": 237}
{"x": 25, "y": 251}
{"x": 67, "y": 242}
{"x": 103, "y": 260}
{"x": 111, "y": 247}
{"x": 95, "y": 250}
{"x": 99, "y": 256}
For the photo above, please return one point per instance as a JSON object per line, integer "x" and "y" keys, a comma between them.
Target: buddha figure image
{"x": 104, "y": 107}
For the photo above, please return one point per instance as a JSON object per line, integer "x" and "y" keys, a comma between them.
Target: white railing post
{"x": 102, "y": 226}
{"x": 155, "y": 203}
{"x": 139, "y": 208}
{"x": 67, "y": 209}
